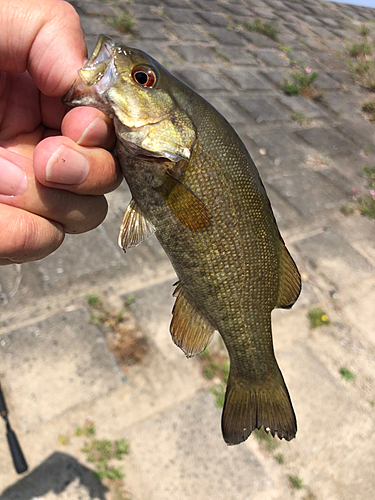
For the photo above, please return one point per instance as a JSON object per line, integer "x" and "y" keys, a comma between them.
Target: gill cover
{"x": 136, "y": 91}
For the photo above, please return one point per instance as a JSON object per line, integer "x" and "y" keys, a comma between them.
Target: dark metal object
{"x": 18, "y": 458}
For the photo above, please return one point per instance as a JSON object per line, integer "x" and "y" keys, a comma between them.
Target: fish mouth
{"x": 95, "y": 77}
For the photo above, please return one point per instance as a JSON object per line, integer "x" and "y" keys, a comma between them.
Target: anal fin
{"x": 189, "y": 329}
{"x": 289, "y": 281}
{"x": 135, "y": 228}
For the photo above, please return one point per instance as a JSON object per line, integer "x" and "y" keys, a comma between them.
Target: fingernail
{"x": 12, "y": 178}
{"x": 67, "y": 166}
{"x": 93, "y": 133}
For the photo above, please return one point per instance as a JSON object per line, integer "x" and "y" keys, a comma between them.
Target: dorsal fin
{"x": 135, "y": 228}
{"x": 189, "y": 329}
{"x": 290, "y": 279}
{"x": 184, "y": 204}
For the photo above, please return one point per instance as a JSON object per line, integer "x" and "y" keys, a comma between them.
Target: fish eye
{"x": 144, "y": 76}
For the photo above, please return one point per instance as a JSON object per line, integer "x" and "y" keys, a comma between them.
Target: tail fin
{"x": 250, "y": 406}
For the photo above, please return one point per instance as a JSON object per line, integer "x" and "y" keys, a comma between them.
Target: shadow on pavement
{"x": 55, "y": 474}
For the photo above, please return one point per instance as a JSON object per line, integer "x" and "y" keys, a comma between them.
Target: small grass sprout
{"x": 279, "y": 458}
{"x": 87, "y": 430}
{"x": 63, "y": 439}
{"x": 301, "y": 118}
{"x": 270, "y": 443}
{"x": 261, "y": 27}
{"x": 364, "y": 30}
{"x": 318, "y": 317}
{"x": 94, "y": 301}
{"x": 302, "y": 83}
{"x": 100, "y": 452}
{"x": 359, "y": 49}
{"x": 296, "y": 482}
{"x": 219, "y": 392}
{"x": 124, "y": 23}
{"x": 346, "y": 374}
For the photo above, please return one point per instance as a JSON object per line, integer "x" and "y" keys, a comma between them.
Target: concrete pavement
{"x": 56, "y": 369}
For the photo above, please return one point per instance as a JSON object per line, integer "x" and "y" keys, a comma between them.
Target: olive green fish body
{"x": 194, "y": 183}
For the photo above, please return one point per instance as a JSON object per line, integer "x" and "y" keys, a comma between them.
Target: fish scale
{"x": 194, "y": 183}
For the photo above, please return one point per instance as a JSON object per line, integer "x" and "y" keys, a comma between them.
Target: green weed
{"x": 87, "y": 431}
{"x": 279, "y": 458}
{"x": 262, "y": 27}
{"x": 302, "y": 83}
{"x": 270, "y": 442}
{"x": 64, "y": 439}
{"x": 296, "y": 482}
{"x": 318, "y": 317}
{"x": 370, "y": 174}
{"x": 369, "y": 108}
{"x": 359, "y": 49}
{"x": 94, "y": 301}
{"x": 346, "y": 374}
{"x": 349, "y": 208}
{"x": 301, "y": 118}
{"x": 219, "y": 392}
{"x": 101, "y": 452}
{"x": 285, "y": 48}
{"x": 123, "y": 23}
{"x": 364, "y": 30}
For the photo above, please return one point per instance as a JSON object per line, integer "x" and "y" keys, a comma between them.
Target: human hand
{"x": 50, "y": 184}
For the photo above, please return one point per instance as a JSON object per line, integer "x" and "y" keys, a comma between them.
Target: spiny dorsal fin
{"x": 184, "y": 204}
{"x": 290, "y": 279}
{"x": 135, "y": 228}
{"x": 189, "y": 329}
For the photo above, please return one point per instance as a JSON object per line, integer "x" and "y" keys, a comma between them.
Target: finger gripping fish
{"x": 195, "y": 185}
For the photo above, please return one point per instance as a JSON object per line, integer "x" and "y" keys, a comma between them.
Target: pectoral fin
{"x": 135, "y": 228}
{"x": 290, "y": 279}
{"x": 190, "y": 330}
{"x": 184, "y": 204}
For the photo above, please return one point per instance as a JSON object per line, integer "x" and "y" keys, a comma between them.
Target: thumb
{"x": 45, "y": 38}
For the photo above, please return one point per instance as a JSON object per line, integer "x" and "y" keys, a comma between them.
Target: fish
{"x": 195, "y": 185}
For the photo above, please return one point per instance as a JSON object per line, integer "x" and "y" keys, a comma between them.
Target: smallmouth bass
{"x": 195, "y": 185}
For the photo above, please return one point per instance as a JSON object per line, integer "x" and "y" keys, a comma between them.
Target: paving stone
{"x": 313, "y": 43}
{"x": 332, "y": 23}
{"x": 235, "y": 54}
{"x": 309, "y": 192}
{"x": 208, "y": 5}
{"x": 298, "y": 104}
{"x": 178, "y": 3}
{"x": 286, "y": 217}
{"x": 184, "y": 469}
{"x": 340, "y": 102}
{"x": 55, "y": 364}
{"x": 95, "y": 7}
{"x": 245, "y": 78}
{"x": 214, "y": 19}
{"x": 279, "y": 145}
{"x": 194, "y": 53}
{"x": 182, "y": 15}
{"x": 342, "y": 77}
{"x": 325, "y": 141}
{"x": 93, "y": 26}
{"x": 200, "y": 79}
{"x": 333, "y": 255}
{"x": 189, "y": 33}
{"x": 238, "y": 10}
{"x": 227, "y": 110}
{"x": 324, "y": 82}
{"x": 140, "y": 12}
{"x": 297, "y": 7}
{"x": 225, "y": 36}
{"x": 149, "y": 30}
{"x": 358, "y": 129}
{"x": 271, "y": 58}
{"x": 263, "y": 110}
{"x": 275, "y": 76}
{"x": 258, "y": 40}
